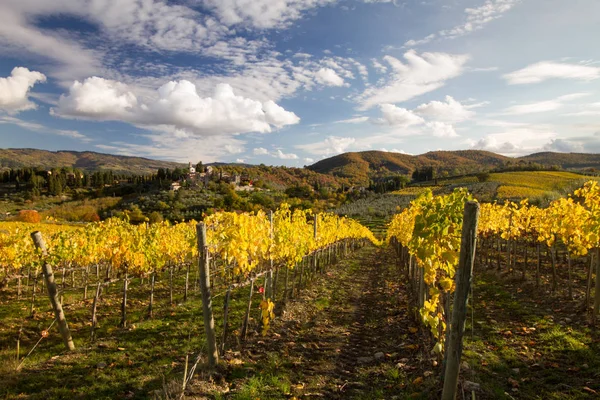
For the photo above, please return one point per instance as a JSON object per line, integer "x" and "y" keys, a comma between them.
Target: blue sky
{"x": 289, "y": 82}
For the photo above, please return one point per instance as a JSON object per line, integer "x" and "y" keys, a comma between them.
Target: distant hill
{"x": 87, "y": 161}
{"x": 565, "y": 160}
{"x": 360, "y": 166}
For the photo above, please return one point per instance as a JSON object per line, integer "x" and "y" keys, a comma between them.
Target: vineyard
{"x": 303, "y": 304}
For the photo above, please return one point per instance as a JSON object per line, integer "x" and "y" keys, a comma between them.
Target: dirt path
{"x": 345, "y": 336}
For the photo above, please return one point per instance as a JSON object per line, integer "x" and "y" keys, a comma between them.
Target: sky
{"x": 290, "y": 82}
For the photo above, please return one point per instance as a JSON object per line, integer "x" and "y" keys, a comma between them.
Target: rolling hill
{"x": 87, "y": 161}
{"x": 360, "y": 166}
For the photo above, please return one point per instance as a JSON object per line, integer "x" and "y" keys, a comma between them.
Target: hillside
{"x": 87, "y": 161}
{"x": 361, "y": 166}
{"x": 565, "y": 160}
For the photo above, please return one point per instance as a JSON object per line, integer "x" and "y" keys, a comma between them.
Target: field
{"x": 538, "y": 186}
{"x": 368, "y": 325}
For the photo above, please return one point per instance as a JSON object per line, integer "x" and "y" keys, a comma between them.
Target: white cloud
{"x": 284, "y": 156}
{"x": 355, "y": 120}
{"x": 151, "y": 24}
{"x": 441, "y": 129}
{"x": 163, "y": 145}
{"x": 98, "y": 98}
{"x": 331, "y": 145}
{"x": 177, "y": 108}
{"x": 476, "y": 19}
{"x": 263, "y": 14}
{"x": 260, "y": 151}
{"x": 545, "y": 70}
{"x": 542, "y": 106}
{"x": 239, "y": 160}
{"x": 592, "y": 109}
{"x": 14, "y": 89}
{"x": 309, "y": 160}
{"x": 421, "y": 74}
{"x": 448, "y": 111}
{"x": 39, "y": 128}
{"x": 516, "y": 141}
{"x": 328, "y": 77}
{"x": 425, "y": 40}
{"x": 563, "y": 146}
{"x": 379, "y": 67}
{"x": 397, "y": 116}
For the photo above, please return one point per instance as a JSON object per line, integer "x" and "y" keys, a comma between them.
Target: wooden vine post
{"x": 207, "y": 312}
{"x": 63, "y": 327}
{"x": 464, "y": 276}
{"x": 597, "y": 295}
{"x": 269, "y": 289}
{"x": 315, "y": 231}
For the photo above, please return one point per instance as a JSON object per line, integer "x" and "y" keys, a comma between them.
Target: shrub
{"x": 29, "y": 216}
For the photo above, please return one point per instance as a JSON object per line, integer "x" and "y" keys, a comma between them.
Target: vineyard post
{"x": 464, "y": 276}
{"x": 171, "y": 284}
{"x": 316, "y": 263}
{"x": 53, "y": 293}
{"x": 225, "y": 321}
{"x": 302, "y": 268}
{"x": 526, "y": 262}
{"x": 187, "y": 284}
{"x": 554, "y": 260}
{"x": 537, "y": 268}
{"x": 151, "y": 305}
{"x": 588, "y": 287}
{"x": 269, "y": 289}
{"x": 287, "y": 281}
{"x": 247, "y": 318}
{"x": 85, "y": 283}
{"x": 34, "y": 284}
{"x": 207, "y": 312}
{"x": 294, "y": 281}
{"x": 275, "y": 281}
{"x": 570, "y": 285}
{"x": 94, "y": 308}
{"x": 123, "y": 323}
{"x": 597, "y": 295}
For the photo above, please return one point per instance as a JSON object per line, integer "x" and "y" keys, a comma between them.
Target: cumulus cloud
{"x": 563, "y": 146}
{"x": 260, "y": 151}
{"x": 331, "y": 145}
{"x": 441, "y": 129}
{"x": 98, "y": 98}
{"x": 14, "y": 90}
{"x": 328, "y": 77}
{"x": 434, "y": 118}
{"x": 419, "y": 75}
{"x": 397, "y": 116}
{"x": 545, "y": 70}
{"x": 517, "y": 141}
{"x": 476, "y": 19}
{"x": 178, "y": 106}
{"x": 448, "y": 111}
{"x": 284, "y": 156}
